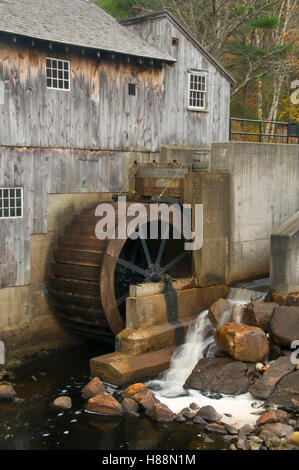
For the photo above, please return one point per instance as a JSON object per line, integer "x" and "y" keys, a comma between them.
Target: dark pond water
{"x": 32, "y": 425}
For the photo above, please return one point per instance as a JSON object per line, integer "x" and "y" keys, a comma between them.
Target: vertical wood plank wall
{"x": 83, "y": 140}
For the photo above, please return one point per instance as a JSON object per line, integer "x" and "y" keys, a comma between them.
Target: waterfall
{"x": 169, "y": 386}
{"x": 199, "y": 339}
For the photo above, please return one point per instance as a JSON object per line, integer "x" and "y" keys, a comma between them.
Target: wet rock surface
{"x": 160, "y": 413}
{"x": 62, "y": 403}
{"x": 219, "y": 375}
{"x": 264, "y": 386}
{"x": 286, "y": 394}
{"x": 7, "y": 392}
{"x": 104, "y": 404}
{"x": 209, "y": 414}
{"x": 259, "y": 314}
{"x": 93, "y": 388}
{"x": 242, "y": 342}
{"x": 129, "y": 406}
{"x": 285, "y": 325}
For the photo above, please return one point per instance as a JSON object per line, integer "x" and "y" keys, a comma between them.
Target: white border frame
{"x": 54, "y": 88}
{"x": 22, "y": 204}
{"x": 201, "y": 74}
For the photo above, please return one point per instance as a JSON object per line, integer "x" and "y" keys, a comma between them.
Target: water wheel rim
{"x": 110, "y": 261}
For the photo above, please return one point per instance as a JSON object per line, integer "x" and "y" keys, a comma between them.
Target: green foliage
{"x": 240, "y": 110}
{"x": 265, "y": 22}
{"x": 117, "y": 8}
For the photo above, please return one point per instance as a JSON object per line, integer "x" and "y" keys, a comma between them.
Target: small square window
{"x": 58, "y": 74}
{"x": 132, "y": 89}
{"x": 11, "y": 203}
{"x": 175, "y": 42}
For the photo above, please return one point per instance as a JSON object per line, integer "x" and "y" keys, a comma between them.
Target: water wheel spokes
{"x": 89, "y": 279}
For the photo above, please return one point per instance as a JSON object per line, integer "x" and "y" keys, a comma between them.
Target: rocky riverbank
{"x": 253, "y": 357}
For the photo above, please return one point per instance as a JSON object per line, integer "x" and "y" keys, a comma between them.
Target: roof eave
{"x": 84, "y": 46}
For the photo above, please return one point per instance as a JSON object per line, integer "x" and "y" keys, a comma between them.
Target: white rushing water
{"x": 169, "y": 386}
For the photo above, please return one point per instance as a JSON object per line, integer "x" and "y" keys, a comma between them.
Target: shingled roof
{"x": 73, "y": 22}
{"x": 166, "y": 14}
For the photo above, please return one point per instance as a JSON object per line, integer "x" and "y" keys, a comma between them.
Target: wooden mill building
{"x": 81, "y": 97}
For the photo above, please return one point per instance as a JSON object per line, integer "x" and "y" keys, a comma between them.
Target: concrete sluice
{"x": 89, "y": 278}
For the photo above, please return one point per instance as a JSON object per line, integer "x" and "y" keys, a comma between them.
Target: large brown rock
{"x": 286, "y": 394}
{"x": 220, "y": 312}
{"x": 259, "y": 314}
{"x": 104, "y": 404}
{"x": 219, "y": 375}
{"x": 265, "y": 385}
{"x": 146, "y": 399}
{"x": 93, "y": 388}
{"x": 242, "y": 342}
{"x": 284, "y": 325}
{"x": 161, "y": 413}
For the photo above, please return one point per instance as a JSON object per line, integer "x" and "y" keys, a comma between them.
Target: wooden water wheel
{"x": 89, "y": 278}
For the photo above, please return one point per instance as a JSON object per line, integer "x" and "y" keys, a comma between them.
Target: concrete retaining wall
{"x": 264, "y": 193}
{"x": 284, "y": 262}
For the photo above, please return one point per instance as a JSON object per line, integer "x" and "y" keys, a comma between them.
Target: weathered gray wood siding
{"x": 179, "y": 125}
{"x": 50, "y": 171}
{"x": 97, "y": 112}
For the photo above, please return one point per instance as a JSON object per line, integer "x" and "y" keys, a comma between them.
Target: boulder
{"x": 295, "y": 438}
{"x": 231, "y": 429}
{"x": 104, "y": 404}
{"x": 286, "y": 394}
{"x": 268, "y": 417}
{"x": 219, "y": 375}
{"x": 259, "y": 314}
{"x": 280, "y": 430}
{"x": 93, "y": 388}
{"x": 129, "y": 406}
{"x": 62, "y": 403}
{"x": 7, "y": 392}
{"x": 242, "y": 342}
{"x": 209, "y": 414}
{"x": 199, "y": 420}
{"x": 246, "y": 430}
{"x": 220, "y": 312}
{"x": 284, "y": 325}
{"x": 161, "y": 413}
{"x": 146, "y": 398}
{"x": 216, "y": 428}
{"x": 265, "y": 385}
{"x": 187, "y": 413}
{"x": 194, "y": 406}
{"x": 133, "y": 389}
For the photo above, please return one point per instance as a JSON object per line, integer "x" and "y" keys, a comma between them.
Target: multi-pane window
{"x": 58, "y": 74}
{"x": 11, "y": 203}
{"x": 197, "y": 90}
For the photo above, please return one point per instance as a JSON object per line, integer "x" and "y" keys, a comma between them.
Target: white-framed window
{"x": 197, "y": 91}
{"x": 58, "y": 74}
{"x": 11, "y": 203}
